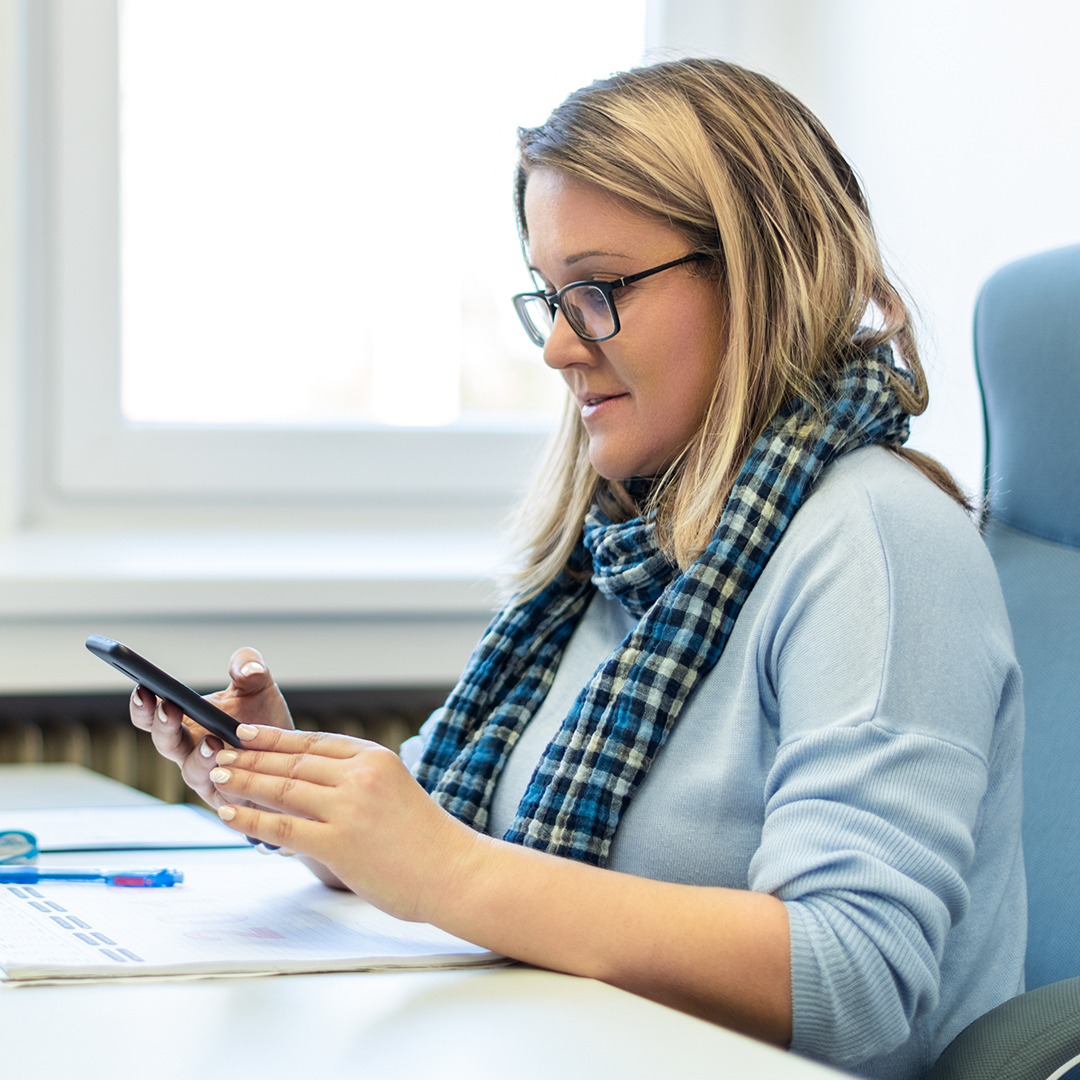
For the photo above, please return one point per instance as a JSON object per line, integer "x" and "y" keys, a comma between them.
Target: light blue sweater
{"x": 855, "y": 752}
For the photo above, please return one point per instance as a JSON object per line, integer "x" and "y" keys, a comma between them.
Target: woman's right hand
{"x": 252, "y": 697}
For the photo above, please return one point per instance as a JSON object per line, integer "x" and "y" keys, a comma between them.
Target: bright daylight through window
{"x": 317, "y": 223}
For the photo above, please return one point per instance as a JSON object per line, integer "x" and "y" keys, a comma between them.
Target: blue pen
{"x": 146, "y": 879}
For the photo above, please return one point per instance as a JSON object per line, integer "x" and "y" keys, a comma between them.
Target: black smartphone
{"x": 165, "y": 686}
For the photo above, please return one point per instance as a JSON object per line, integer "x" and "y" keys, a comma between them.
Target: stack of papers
{"x": 252, "y": 915}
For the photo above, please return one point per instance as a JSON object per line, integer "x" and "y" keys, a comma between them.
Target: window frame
{"x": 94, "y": 453}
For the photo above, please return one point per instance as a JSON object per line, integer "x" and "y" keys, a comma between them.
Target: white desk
{"x": 505, "y": 1023}
{"x": 29, "y": 787}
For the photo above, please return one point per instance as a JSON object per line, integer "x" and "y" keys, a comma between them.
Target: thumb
{"x": 248, "y": 671}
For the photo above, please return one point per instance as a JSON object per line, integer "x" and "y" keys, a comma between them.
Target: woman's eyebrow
{"x": 585, "y": 255}
{"x": 590, "y": 254}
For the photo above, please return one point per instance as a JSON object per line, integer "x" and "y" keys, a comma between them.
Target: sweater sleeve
{"x": 872, "y": 881}
{"x": 886, "y": 685}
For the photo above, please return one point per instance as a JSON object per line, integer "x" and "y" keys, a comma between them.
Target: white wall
{"x": 963, "y": 120}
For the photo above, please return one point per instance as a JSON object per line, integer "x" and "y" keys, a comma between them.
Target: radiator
{"x": 97, "y": 733}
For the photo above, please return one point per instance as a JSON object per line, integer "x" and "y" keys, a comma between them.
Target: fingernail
{"x": 220, "y": 776}
{"x": 135, "y": 697}
{"x": 253, "y": 667}
{"x": 266, "y": 849}
{"x": 247, "y": 731}
{"x": 286, "y": 851}
{"x": 226, "y": 813}
{"x": 226, "y": 757}
{"x": 205, "y": 750}
{"x": 159, "y": 713}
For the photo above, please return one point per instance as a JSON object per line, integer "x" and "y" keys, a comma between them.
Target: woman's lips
{"x": 596, "y": 404}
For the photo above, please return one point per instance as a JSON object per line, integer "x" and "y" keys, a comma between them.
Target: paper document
{"x": 254, "y": 915}
{"x": 122, "y": 828}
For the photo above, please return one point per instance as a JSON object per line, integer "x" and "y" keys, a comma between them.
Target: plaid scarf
{"x": 592, "y": 767}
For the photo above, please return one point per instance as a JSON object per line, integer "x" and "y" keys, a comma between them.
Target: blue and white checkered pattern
{"x": 618, "y": 723}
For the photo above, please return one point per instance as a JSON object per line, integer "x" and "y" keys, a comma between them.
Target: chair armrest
{"x": 1032, "y": 1037}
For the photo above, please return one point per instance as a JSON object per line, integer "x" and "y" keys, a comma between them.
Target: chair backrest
{"x": 1027, "y": 348}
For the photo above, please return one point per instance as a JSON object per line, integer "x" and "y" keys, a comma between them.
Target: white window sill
{"x": 329, "y": 608}
{"x": 234, "y": 572}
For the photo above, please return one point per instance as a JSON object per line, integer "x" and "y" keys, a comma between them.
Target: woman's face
{"x": 644, "y": 392}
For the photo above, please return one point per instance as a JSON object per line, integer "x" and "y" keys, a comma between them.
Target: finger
{"x": 248, "y": 671}
{"x": 313, "y": 768}
{"x": 197, "y": 765}
{"x": 143, "y": 705}
{"x": 283, "y": 741}
{"x": 210, "y": 747}
{"x": 171, "y": 737}
{"x": 283, "y": 793}
{"x": 280, "y": 830}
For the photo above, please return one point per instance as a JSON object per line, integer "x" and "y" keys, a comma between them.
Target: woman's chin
{"x": 614, "y": 465}
{"x": 610, "y": 471}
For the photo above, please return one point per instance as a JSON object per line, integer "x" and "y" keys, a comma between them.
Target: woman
{"x": 757, "y": 764}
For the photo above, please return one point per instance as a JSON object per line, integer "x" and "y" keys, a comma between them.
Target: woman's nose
{"x": 564, "y": 348}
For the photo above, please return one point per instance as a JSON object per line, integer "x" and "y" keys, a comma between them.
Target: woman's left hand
{"x": 353, "y": 806}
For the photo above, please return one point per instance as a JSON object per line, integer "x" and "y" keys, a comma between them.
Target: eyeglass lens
{"x": 585, "y": 307}
{"x": 535, "y": 315}
{"x": 587, "y": 310}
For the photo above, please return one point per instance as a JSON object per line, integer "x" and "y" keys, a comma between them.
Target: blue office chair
{"x": 1027, "y": 350}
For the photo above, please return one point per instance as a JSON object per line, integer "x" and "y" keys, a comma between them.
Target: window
{"x": 186, "y": 295}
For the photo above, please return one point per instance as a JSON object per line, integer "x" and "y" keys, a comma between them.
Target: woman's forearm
{"x": 721, "y": 954}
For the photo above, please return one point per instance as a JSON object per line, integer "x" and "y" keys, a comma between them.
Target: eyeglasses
{"x": 589, "y": 306}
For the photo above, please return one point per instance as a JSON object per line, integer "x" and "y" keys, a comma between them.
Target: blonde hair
{"x": 755, "y": 183}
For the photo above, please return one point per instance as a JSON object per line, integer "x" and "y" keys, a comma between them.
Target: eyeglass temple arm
{"x": 656, "y": 270}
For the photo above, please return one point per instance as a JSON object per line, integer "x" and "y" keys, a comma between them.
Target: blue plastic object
{"x": 17, "y": 846}
{"x": 142, "y": 879}
{"x": 1027, "y": 343}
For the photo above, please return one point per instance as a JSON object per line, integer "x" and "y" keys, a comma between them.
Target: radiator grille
{"x": 94, "y": 731}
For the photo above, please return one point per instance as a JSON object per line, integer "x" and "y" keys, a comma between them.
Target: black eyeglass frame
{"x": 606, "y": 288}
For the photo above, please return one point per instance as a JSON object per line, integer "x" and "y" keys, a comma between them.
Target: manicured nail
{"x": 220, "y": 776}
{"x": 247, "y": 731}
{"x": 159, "y": 713}
{"x": 226, "y": 757}
{"x": 226, "y": 813}
{"x": 252, "y": 667}
{"x": 205, "y": 750}
{"x": 135, "y": 697}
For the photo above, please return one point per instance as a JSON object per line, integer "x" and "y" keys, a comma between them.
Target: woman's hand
{"x": 252, "y": 697}
{"x": 353, "y": 806}
{"x": 718, "y": 953}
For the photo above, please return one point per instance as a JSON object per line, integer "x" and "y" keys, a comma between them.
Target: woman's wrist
{"x": 453, "y": 884}
{"x": 322, "y": 872}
